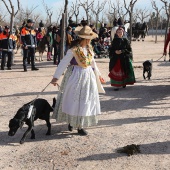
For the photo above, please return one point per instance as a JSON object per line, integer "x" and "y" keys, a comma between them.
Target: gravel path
{"x": 138, "y": 114}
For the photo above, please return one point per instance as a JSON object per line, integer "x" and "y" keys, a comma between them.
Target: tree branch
{"x": 6, "y": 6}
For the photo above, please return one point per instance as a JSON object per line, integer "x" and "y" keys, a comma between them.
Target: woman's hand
{"x": 54, "y": 81}
{"x": 102, "y": 80}
{"x": 118, "y": 52}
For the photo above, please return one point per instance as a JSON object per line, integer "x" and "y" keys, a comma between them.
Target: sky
{"x": 58, "y": 4}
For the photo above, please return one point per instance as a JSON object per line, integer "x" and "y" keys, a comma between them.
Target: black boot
{"x": 25, "y": 69}
{"x": 34, "y": 69}
{"x": 70, "y": 128}
{"x": 82, "y": 132}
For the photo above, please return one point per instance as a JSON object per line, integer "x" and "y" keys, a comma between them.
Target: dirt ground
{"x": 139, "y": 114}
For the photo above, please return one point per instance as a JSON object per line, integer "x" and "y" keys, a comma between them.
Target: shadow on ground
{"x": 57, "y": 132}
{"x": 146, "y": 149}
{"x": 30, "y": 94}
{"x": 135, "y": 97}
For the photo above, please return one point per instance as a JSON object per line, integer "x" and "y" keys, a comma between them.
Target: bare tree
{"x": 87, "y": 6}
{"x": 157, "y": 10}
{"x": 97, "y": 10}
{"x": 66, "y": 12}
{"x": 28, "y": 11}
{"x": 103, "y": 17}
{"x": 167, "y": 10}
{"x": 117, "y": 9}
{"x": 135, "y": 15}
{"x": 121, "y": 12}
{"x": 36, "y": 17}
{"x": 49, "y": 12}
{"x": 143, "y": 14}
{"x": 130, "y": 11}
{"x": 112, "y": 6}
{"x": 59, "y": 14}
{"x": 75, "y": 8}
{"x": 2, "y": 16}
{"x": 12, "y": 11}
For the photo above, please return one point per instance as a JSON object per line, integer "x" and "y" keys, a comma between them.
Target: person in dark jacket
{"x": 7, "y": 45}
{"x": 120, "y": 22}
{"x": 49, "y": 42}
{"x": 120, "y": 66}
{"x": 28, "y": 38}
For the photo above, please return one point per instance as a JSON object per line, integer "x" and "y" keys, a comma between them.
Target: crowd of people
{"x": 77, "y": 101}
{"x": 32, "y": 40}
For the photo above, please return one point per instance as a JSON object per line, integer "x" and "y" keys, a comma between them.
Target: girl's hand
{"x": 54, "y": 81}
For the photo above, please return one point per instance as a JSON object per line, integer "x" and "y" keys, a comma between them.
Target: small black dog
{"x": 41, "y": 110}
{"x": 147, "y": 67}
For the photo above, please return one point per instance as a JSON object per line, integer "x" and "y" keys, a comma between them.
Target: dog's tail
{"x": 54, "y": 103}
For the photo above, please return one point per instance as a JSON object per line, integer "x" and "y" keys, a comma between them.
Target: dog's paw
{"x": 32, "y": 137}
{"x": 22, "y": 141}
{"x": 48, "y": 133}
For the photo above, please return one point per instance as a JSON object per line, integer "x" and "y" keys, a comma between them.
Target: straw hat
{"x": 85, "y": 32}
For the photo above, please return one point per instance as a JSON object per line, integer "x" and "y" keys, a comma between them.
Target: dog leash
{"x": 160, "y": 58}
{"x": 31, "y": 105}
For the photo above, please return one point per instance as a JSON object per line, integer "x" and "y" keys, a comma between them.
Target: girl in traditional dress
{"x": 120, "y": 66}
{"x": 78, "y": 99}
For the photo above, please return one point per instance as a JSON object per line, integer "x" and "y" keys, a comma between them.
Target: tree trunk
{"x": 63, "y": 36}
{"x": 167, "y": 26}
{"x": 65, "y": 11}
{"x": 12, "y": 22}
{"x": 76, "y": 19}
{"x": 130, "y": 26}
{"x": 87, "y": 17}
{"x": 156, "y": 33}
{"x": 96, "y": 21}
{"x": 50, "y": 19}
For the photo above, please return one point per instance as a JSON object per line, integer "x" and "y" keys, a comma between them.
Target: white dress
{"x": 78, "y": 100}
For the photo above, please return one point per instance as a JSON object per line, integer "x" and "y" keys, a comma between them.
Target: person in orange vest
{"x": 7, "y": 45}
{"x": 166, "y": 45}
{"x": 28, "y": 38}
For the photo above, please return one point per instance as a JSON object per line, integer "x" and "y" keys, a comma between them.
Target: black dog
{"x": 147, "y": 67}
{"x": 41, "y": 110}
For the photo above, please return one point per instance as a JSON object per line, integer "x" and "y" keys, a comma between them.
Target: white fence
{"x": 153, "y": 32}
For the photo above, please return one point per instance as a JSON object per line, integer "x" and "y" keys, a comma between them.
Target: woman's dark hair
{"x": 39, "y": 29}
{"x": 68, "y": 28}
{"x": 76, "y": 42}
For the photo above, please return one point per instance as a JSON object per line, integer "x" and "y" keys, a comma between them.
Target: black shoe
{"x": 34, "y": 69}
{"x": 82, "y": 132}
{"x": 9, "y": 68}
{"x": 25, "y": 69}
{"x": 70, "y": 128}
{"x": 116, "y": 89}
{"x": 124, "y": 86}
{"x": 2, "y": 69}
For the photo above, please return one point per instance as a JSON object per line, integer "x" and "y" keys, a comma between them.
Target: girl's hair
{"x": 77, "y": 42}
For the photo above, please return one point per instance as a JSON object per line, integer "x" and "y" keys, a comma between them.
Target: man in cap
{"x": 28, "y": 38}
{"x": 7, "y": 44}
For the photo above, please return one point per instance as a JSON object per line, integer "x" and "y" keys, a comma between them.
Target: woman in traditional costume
{"x": 120, "y": 66}
{"x": 78, "y": 99}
